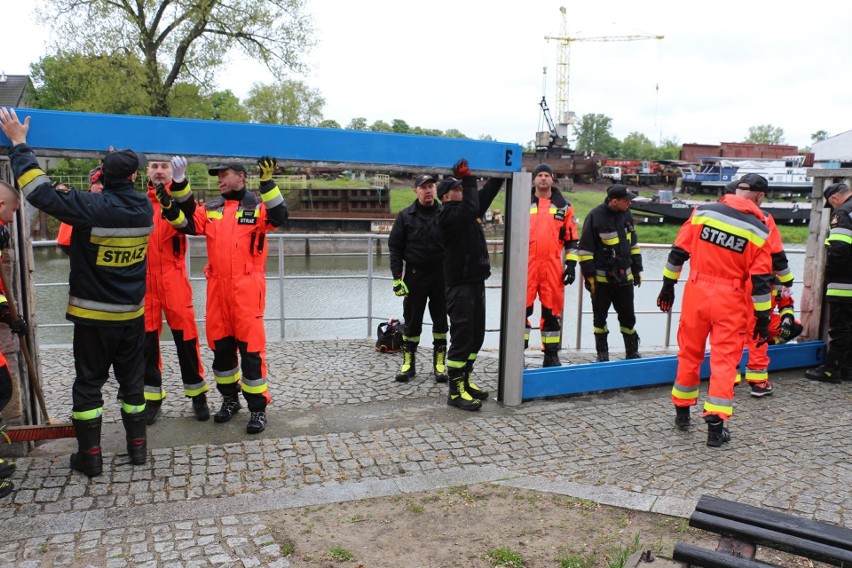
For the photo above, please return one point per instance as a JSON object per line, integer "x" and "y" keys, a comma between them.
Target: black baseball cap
{"x": 754, "y": 182}
{"x": 831, "y": 190}
{"x": 619, "y": 191}
{"x": 424, "y": 179}
{"x": 446, "y": 185}
{"x": 214, "y": 171}
{"x": 121, "y": 163}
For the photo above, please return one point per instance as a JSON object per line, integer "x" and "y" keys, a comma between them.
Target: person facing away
{"x": 9, "y": 203}
{"x": 415, "y": 241}
{"x": 236, "y": 224}
{"x": 838, "y": 286}
{"x": 611, "y": 264}
{"x": 552, "y": 262}
{"x": 726, "y": 244}
{"x": 466, "y": 269}
{"x": 106, "y": 293}
{"x": 169, "y": 292}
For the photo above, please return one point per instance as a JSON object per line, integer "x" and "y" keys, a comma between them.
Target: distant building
{"x": 15, "y": 90}
{"x": 694, "y": 152}
{"x": 834, "y": 152}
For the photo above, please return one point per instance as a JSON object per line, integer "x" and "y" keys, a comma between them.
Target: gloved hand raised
{"x": 399, "y": 287}
{"x": 5, "y": 236}
{"x": 570, "y": 272}
{"x": 667, "y": 295}
{"x": 761, "y": 330}
{"x": 18, "y": 325}
{"x": 786, "y": 329}
{"x": 637, "y": 279}
{"x": 589, "y": 284}
{"x": 179, "y": 164}
{"x": 461, "y": 169}
{"x": 164, "y": 197}
{"x": 267, "y": 168}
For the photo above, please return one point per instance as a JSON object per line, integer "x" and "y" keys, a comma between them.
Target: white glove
{"x": 179, "y": 164}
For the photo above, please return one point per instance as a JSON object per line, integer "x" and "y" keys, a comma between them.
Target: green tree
{"x": 75, "y": 82}
{"x": 181, "y": 40}
{"x": 328, "y": 123}
{"x": 487, "y": 138}
{"x": 400, "y": 126}
{"x": 226, "y": 106}
{"x": 453, "y": 133}
{"x": 593, "y": 133}
{"x": 765, "y": 134}
{"x": 359, "y": 123}
{"x": 288, "y": 102}
{"x": 381, "y": 126}
{"x": 819, "y": 136}
{"x": 187, "y": 101}
{"x": 637, "y": 146}
{"x": 668, "y": 150}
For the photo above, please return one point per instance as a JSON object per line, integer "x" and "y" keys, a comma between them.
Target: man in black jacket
{"x": 415, "y": 239}
{"x": 466, "y": 268}
{"x": 612, "y": 265}
{"x": 106, "y": 288}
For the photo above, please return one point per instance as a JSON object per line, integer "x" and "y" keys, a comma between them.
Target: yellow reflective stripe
{"x": 120, "y": 241}
{"x": 586, "y": 257}
{"x": 180, "y": 222}
{"x": 86, "y": 313}
{"x": 671, "y": 274}
{"x": 723, "y": 409}
{"x": 183, "y": 194}
{"x": 132, "y": 408}
{"x": 677, "y": 392}
{"x": 227, "y": 377}
{"x": 545, "y": 339}
{"x": 756, "y": 376}
{"x": 272, "y": 197}
{"x": 193, "y": 392}
{"x": 627, "y": 330}
{"x": 533, "y": 209}
{"x": 29, "y": 176}
{"x": 88, "y": 414}
{"x": 154, "y": 393}
{"x": 600, "y": 330}
{"x": 451, "y": 363}
{"x": 257, "y": 386}
{"x": 788, "y": 311}
{"x": 472, "y": 357}
{"x": 846, "y": 239}
{"x": 839, "y": 293}
{"x": 214, "y": 214}
{"x": 439, "y": 335}
{"x": 572, "y": 256}
{"x": 613, "y": 241}
{"x": 762, "y": 306}
{"x": 751, "y": 236}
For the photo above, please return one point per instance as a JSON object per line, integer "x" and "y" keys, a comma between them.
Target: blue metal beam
{"x": 595, "y": 377}
{"x": 89, "y": 132}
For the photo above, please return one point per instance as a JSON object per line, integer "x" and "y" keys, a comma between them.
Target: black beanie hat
{"x": 542, "y": 168}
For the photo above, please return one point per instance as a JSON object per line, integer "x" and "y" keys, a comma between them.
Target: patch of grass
{"x": 415, "y": 508}
{"x": 620, "y": 556}
{"x": 340, "y": 554}
{"x": 505, "y": 557}
{"x": 575, "y": 561}
{"x": 287, "y": 548}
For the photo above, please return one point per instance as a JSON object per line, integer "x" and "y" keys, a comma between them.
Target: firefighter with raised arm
{"x": 726, "y": 243}
{"x": 552, "y": 260}
{"x": 236, "y": 224}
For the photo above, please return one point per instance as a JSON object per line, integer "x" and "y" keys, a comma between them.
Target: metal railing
{"x": 371, "y": 241}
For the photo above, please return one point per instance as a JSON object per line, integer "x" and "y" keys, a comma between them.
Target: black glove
{"x": 17, "y": 325}
{"x": 761, "y": 330}
{"x": 637, "y": 279}
{"x": 167, "y": 202}
{"x": 5, "y": 236}
{"x": 667, "y": 295}
{"x": 460, "y": 169}
{"x": 786, "y": 329}
{"x": 570, "y": 272}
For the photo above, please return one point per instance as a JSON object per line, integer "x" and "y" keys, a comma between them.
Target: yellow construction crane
{"x": 563, "y": 64}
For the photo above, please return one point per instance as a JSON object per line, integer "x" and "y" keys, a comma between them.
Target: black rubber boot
{"x": 717, "y": 434}
{"x": 136, "y": 436}
{"x": 471, "y": 388}
{"x": 230, "y": 406}
{"x": 152, "y": 411}
{"x": 409, "y": 363}
{"x": 458, "y": 396}
{"x": 551, "y": 360}
{"x": 439, "y": 363}
{"x": 682, "y": 417}
{"x": 257, "y": 422}
{"x": 602, "y": 347}
{"x": 830, "y": 372}
{"x": 200, "y": 408}
{"x": 88, "y": 458}
{"x": 631, "y": 345}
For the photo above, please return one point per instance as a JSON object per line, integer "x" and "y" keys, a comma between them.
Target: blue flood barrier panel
{"x": 613, "y": 375}
{"x": 62, "y": 130}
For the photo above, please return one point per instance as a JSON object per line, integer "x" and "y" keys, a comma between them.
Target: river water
{"x": 326, "y": 296}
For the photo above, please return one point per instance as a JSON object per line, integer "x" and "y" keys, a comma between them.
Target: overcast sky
{"x": 476, "y": 65}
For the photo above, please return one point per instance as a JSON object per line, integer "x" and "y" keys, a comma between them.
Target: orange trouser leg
{"x": 726, "y": 349}
{"x": 695, "y": 323}
{"x": 757, "y": 369}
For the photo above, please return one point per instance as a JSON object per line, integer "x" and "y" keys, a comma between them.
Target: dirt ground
{"x": 481, "y": 526}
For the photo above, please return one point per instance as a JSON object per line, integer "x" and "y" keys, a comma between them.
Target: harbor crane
{"x": 563, "y": 64}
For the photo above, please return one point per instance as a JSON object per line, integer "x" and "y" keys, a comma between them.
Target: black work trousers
{"x": 840, "y": 327}
{"x": 466, "y": 308}
{"x": 619, "y": 296}
{"x": 96, "y": 349}
{"x": 425, "y": 286}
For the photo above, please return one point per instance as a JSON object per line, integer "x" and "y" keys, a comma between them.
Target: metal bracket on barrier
{"x": 595, "y": 377}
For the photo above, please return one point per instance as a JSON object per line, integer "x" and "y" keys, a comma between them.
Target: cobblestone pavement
{"x": 342, "y": 429}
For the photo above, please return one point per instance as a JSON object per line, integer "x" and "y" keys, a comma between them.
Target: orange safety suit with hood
{"x": 169, "y": 293}
{"x": 552, "y": 256}
{"x": 726, "y": 242}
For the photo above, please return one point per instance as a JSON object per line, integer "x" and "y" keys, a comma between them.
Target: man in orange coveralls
{"x": 552, "y": 229}
{"x": 727, "y": 244}
{"x": 236, "y": 224}
{"x": 169, "y": 292}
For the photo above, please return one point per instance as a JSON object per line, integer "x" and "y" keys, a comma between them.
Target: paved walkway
{"x": 341, "y": 429}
